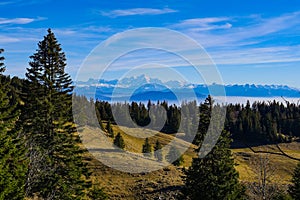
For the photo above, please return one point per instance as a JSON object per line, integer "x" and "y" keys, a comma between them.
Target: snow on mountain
{"x": 143, "y": 86}
{"x": 151, "y": 87}
{"x": 131, "y": 82}
{"x": 137, "y": 81}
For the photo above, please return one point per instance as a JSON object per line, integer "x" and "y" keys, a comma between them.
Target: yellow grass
{"x": 283, "y": 166}
{"x": 121, "y": 185}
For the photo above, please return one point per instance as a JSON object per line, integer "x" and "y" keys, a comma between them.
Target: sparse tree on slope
{"x": 119, "y": 141}
{"x": 157, "y": 151}
{"x": 147, "y": 149}
{"x": 109, "y": 129}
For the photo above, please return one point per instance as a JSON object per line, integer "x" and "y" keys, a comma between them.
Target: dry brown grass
{"x": 283, "y": 166}
{"x": 121, "y": 185}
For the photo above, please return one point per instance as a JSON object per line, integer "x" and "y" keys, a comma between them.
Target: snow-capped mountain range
{"x": 143, "y": 88}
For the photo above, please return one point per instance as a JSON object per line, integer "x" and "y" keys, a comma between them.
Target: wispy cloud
{"x": 269, "y": 26}
{"x": 259, "y": 55}
{"x": 19, "y": 20}
{"x": 22, "y": 2}
{"x": 246, "y": 43}
{"x": 201, "y": 21}
{"x": 204, "y": 24}
{"x": 237, "y": 31}
{"x": 249, "y": 41}
{"x": 5, "y": 39}
{"x": 136, "y": 11}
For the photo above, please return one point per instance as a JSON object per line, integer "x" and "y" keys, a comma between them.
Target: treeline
{"x": 264, "y": 122}
{"x": 259, "y": 123}
{"x": 158, "y": 116}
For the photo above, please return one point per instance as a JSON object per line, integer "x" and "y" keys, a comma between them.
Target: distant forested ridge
{"x": 259, "y": 123}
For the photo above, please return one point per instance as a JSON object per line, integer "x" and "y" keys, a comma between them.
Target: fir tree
{"x": 57, "y": 169}
{"x": 12, "y": 155}
{"x": 147, "y": 149}
{"x": 174, "y": 156}
{"x": 205, "y": 116}
{"x": 214, "y": 176}
{"x": 109, "y": 129}
{"x": 157, "y": 151}
{"x": 294, "y": 189}
{"x": 119, "y": 141}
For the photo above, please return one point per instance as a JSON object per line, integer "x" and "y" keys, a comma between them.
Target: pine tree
{"x": 205, "y": 116}
{"x": 109, "y": 129}
{"x": 214, "y": 176}
{"x": 294, "y": 189}
{"x": 157, "y": 151}
{"x": 12, "y": 155}
{"x": 119, "y": 141}
{"x": 174, "y": 156}
{"x": 57, "y": 169}
{"x": 147, "y": 149}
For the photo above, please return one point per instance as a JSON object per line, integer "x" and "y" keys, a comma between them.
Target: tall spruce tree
{"x": 12, "y": 157}
{"x": 214, "y": 176}
{"x": 205, "y": 116}
{"x": 294, "y": 189}
{"x": 57, "y": 169}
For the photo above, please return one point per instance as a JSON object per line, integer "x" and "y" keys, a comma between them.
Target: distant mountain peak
{"x": 136, "y": 81}
{"x": 144, "y": 86}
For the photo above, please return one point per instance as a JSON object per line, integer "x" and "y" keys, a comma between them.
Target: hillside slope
{"x": 167, "y": 181}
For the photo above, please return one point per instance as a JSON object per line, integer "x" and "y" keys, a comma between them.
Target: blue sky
{"x": 255, "y": 41}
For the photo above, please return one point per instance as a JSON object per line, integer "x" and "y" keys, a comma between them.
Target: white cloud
{"x": 201, "y": 21}
{"x": 22, "y": 2}
{"x": 212, "y": 27}
{"x": 204, "y": 24}
{"x": 19, "y": 20}
{"x": 137, "y": 11}
{"x": 269, "y": 26}
{"x": 258, "y": 29}
{"x": 244, "y": 56}
{"x": 5, "y": 39}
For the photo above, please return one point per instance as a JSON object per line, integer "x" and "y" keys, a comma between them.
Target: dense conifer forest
{"x": 259, "y": 123}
